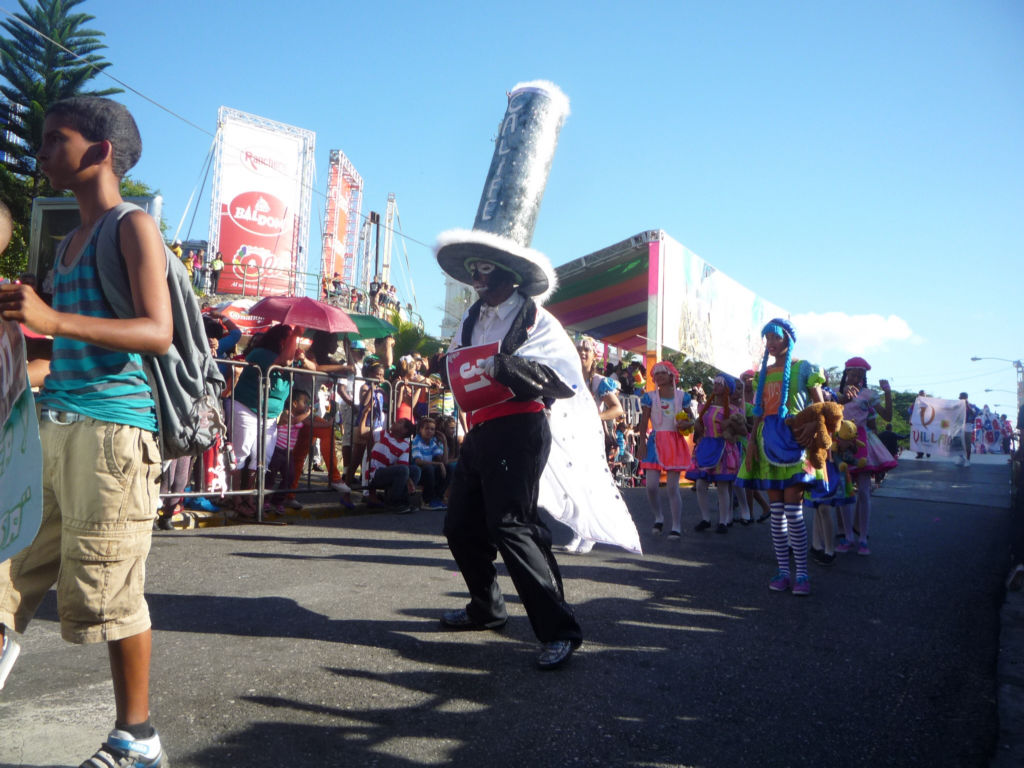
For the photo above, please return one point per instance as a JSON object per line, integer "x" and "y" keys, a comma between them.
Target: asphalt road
{"x": 318, "y": 643}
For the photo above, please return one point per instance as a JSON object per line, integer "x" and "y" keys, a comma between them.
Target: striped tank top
{"x": 97, "y": 382}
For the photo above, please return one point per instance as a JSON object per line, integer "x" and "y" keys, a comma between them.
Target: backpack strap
{"x": 110, "y": 266}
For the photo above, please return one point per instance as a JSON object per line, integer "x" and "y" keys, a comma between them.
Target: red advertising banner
{"x": 260, "y": 187}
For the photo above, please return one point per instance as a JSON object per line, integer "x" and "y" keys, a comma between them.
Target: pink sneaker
{"x": 863, "y": 548}
{"x": 780, "y": 583}
{"x": 843, "y": 545}
{"x": 802, "y": 586}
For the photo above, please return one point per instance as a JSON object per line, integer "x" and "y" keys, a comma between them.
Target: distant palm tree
{"x": 39, "y": 71}
{"x": 409, "y": 338}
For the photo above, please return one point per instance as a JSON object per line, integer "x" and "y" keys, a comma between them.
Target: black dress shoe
{"x": 703, "y": 525}
{"x": 556, "y": 653}
{"x": 460, "y": 620}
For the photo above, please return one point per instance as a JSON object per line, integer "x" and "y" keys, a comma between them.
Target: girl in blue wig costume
{"x": 715, "y": 459}
{"x": 775, "y": 462}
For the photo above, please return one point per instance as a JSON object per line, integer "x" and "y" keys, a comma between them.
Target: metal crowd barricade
{"x": 424, "y": 388}
{"x": 629, "y": 475}
{"x": 199, "y": 470}
{"x": 334, "y": 412}
{"x": 353, "y": 384}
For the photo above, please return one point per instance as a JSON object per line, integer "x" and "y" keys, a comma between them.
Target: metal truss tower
{"x": 306, "y": 141}
{"x": 365, "y": 261}
{"x": 389, "y": 238}
{"x": 343, "y": 207}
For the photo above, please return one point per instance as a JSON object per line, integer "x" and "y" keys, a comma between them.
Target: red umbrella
{"x": 239, "y": 312}
{"x": 300, "y": 310}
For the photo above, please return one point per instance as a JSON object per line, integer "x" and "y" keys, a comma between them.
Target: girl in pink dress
{"x": 715, "y": 458}
{"x": 860, "y": 404}
{"x": 666, "y": 448}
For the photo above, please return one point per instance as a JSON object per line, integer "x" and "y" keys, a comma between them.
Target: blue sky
{"x": 859, "y": 164}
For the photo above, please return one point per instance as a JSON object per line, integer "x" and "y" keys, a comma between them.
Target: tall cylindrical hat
{"x": 518, "y": 175}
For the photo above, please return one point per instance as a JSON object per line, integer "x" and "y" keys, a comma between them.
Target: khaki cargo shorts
{"x": 101, "y": 486}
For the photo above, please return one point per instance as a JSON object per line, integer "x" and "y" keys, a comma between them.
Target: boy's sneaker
{"x": 122, "y": 750}
{"x": 780, "y": 582}
{"x": 436, "y": 504}
{"x": 843, "y": 545}
{"x": 340, "y": 487}
{"x": 8, "y": 655}
{"x": 802, "y": 586}
{"x": 293, "y": 504}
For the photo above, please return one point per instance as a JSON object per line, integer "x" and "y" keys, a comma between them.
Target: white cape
{"x": 577, "y": 487}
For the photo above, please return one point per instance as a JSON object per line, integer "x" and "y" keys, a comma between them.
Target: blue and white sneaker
{"x": 121, "y": 750}
{"x": 8, "y": 655}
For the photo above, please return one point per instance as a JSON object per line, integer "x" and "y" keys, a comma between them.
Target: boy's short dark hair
{"x": 99, "y": 119}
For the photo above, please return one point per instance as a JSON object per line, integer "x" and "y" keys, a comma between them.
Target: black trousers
{"x": 492, "y": 508}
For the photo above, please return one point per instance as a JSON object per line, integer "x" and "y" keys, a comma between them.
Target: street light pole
{"x": 1020, "y": 376}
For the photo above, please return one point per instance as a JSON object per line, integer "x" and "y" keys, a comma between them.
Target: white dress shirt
{"x": 494, "y": 322}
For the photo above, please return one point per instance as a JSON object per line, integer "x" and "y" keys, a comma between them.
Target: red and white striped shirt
{"x": 388, "y": 451}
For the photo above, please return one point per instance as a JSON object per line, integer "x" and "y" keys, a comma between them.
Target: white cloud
{"x": 831, "y": 335}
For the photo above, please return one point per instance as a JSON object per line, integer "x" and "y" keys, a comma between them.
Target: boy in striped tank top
{"x": 101, "y": 462}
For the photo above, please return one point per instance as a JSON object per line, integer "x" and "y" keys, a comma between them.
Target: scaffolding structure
{"x": 305, "y": 145}
{"x": 365, "y": 254}
{"x": 384, "y": 275}
{"x": 341, "y": 218}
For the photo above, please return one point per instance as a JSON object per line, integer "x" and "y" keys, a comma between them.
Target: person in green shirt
{"x": 215, "y": 268}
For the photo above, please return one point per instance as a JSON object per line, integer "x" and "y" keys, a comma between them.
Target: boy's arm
{"x": 151, "y": 332}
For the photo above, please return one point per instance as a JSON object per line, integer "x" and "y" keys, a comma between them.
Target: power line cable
{"x": 157, "y": 104}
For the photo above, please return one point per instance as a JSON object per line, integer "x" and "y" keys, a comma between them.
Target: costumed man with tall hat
{"x": 514, "y": 371}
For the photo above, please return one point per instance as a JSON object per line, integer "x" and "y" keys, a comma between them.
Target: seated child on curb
{"x": 429, "y": 454}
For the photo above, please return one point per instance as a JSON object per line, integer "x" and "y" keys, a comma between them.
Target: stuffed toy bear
{"x": 846, "y": 447}
{"x": 735, "y": 428}
{"x": 825, "y": 417}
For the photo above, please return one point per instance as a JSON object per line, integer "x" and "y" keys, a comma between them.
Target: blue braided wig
{"x": 784, "y": 329}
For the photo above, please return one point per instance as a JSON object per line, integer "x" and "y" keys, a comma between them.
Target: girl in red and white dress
{"x": 666, "y": 448}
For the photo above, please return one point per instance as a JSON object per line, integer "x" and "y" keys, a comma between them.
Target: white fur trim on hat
{"x": 558, "y": 99}
{"x": 456, "y": 246}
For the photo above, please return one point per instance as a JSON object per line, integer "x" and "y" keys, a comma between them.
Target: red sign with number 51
{"x": 472, "y": 388}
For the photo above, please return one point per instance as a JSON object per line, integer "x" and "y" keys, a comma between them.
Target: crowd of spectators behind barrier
{"x": 311, "y": 411}
{"x": 300, "y": 406}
